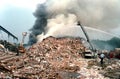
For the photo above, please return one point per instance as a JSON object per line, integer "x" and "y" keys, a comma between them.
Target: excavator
{"x": 21, "y": 47}
{"x": 87, "y": 52}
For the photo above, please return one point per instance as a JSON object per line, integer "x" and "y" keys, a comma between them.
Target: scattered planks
{"x": 11, "y": 62}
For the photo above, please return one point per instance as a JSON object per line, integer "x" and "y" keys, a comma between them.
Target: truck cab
{"x": 88, "y": 53}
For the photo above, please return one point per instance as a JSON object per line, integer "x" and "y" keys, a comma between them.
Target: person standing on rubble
{"x": 102, "y": 56}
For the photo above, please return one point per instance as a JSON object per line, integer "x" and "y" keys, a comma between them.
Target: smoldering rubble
{"x": 53, "y": 58}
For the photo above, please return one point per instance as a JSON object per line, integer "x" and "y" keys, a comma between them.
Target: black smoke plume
{"x": 40, "y": 23}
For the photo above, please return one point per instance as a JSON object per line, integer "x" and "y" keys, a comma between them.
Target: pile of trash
{"x": 53, "y": 58}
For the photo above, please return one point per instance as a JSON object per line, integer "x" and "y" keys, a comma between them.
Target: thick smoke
{"x": 62, "y": 14}
{"x": 40, "y": 23}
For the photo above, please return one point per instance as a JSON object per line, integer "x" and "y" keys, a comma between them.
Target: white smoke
{"x": 60, "y": 22}
{"x": 61, "y": 15}
{"x": 61, "y": 26}
{"x": 94, "y": 13}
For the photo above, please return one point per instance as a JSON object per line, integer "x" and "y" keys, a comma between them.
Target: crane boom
{"x": 86, "y": 35}
{"x": 3, "y": 29}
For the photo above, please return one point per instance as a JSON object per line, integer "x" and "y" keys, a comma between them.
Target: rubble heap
{"x": 113, "y": 69}
{"x": 53, "y": 58}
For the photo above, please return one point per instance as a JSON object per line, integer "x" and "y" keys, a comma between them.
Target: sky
{"x": 17, "y": 16}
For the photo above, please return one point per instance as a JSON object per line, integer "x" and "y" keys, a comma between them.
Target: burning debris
{"x": 56, "y": 58}
{"x": 61, "y": 58}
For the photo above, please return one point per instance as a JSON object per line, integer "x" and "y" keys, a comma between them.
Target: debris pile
{"x": 53, "y": 58}
{"x": 110, "y": 68}
{"x": 113, "y": 69}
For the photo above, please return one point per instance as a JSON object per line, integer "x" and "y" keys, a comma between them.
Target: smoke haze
{"x": 54, "y": 15}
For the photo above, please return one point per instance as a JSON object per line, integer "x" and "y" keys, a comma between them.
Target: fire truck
{"x": 88, "y": 52}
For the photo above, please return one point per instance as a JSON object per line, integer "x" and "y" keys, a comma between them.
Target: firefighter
{"x": 102, "y": 56}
